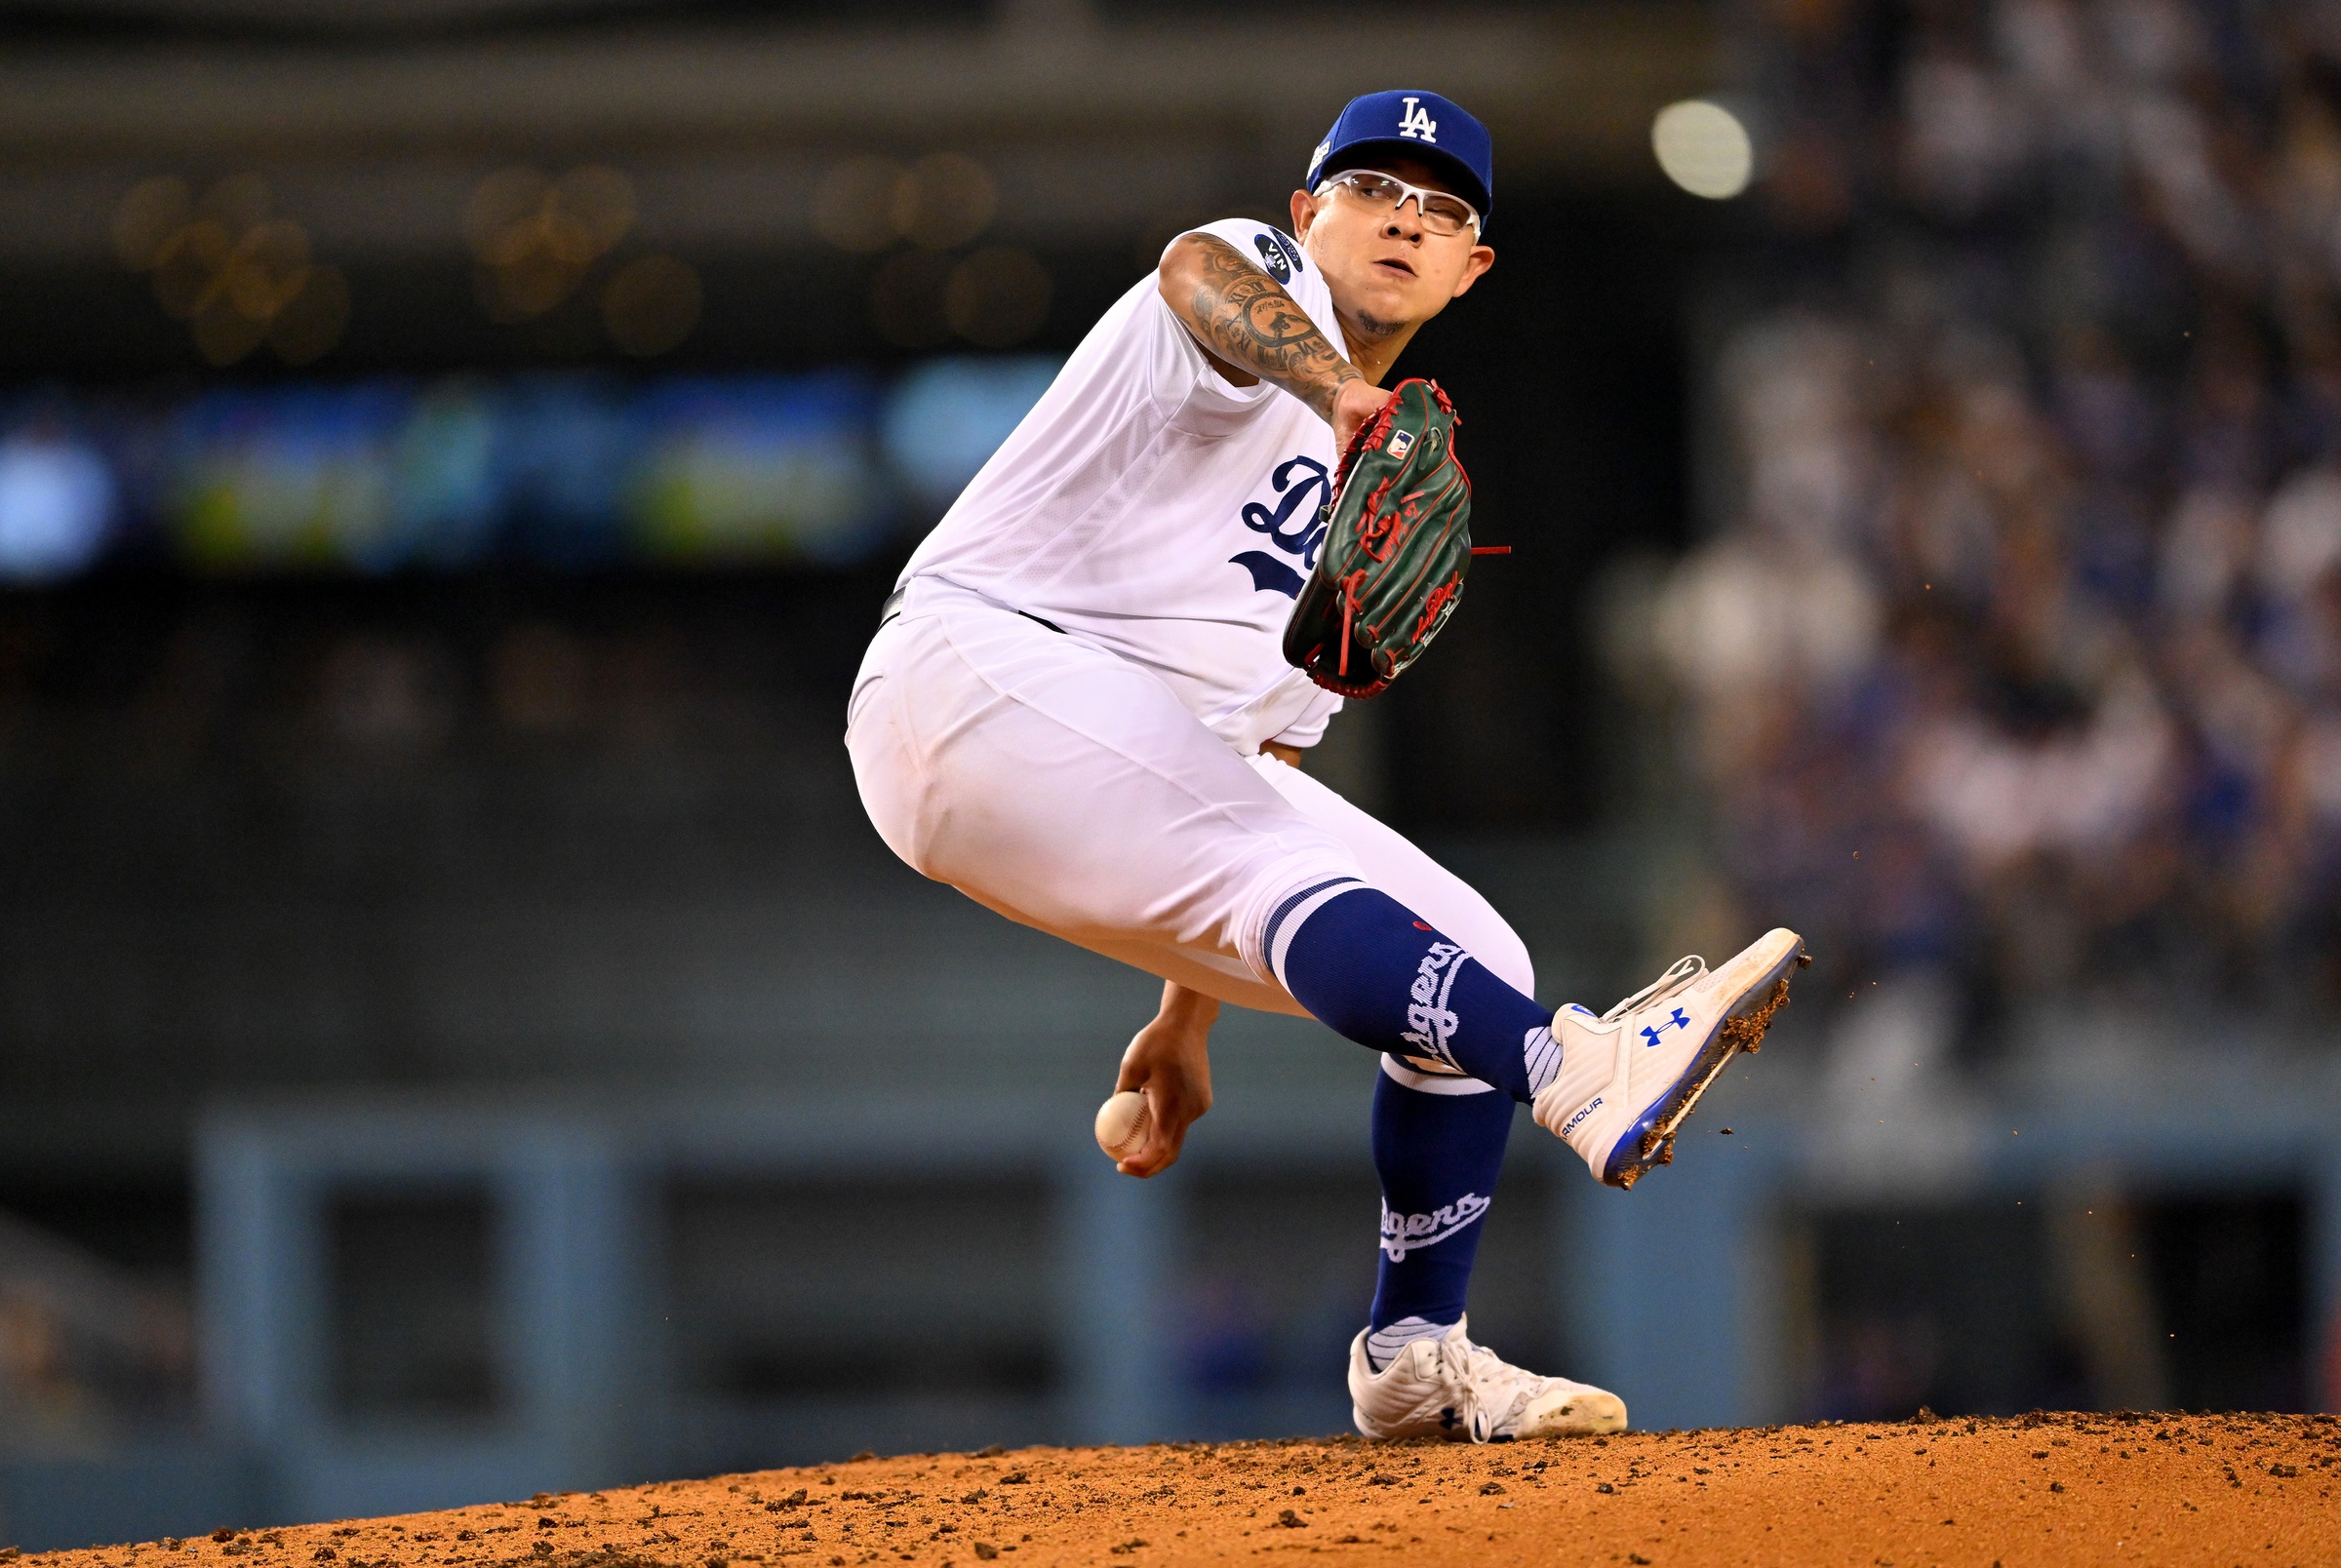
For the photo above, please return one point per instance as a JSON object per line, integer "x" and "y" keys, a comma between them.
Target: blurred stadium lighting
{"x": 546, "y": 471}
{"x": 1703, "y": 148}
{"x": 950, "y": 415}
{"x": 948, "y": 200}
{"x": 534, "y": 238}
{"x": 761, "y": 469}
{"x": 237, "y": 275}
{"x": 57, "y": 501}
{"x": 379, "y": 132}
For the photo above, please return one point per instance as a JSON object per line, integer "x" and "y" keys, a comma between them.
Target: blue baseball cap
{"x": 1418, "y": 125}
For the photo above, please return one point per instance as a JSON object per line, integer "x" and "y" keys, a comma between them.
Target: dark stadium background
{"x": 458, "y": 1035}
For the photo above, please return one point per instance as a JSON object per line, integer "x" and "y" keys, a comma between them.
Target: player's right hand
{"x": 1170, "y": 1062}
{"x": 1355, "y": 401}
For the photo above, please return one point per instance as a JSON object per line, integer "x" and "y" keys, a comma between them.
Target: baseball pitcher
{"x": 1078, "y": 710}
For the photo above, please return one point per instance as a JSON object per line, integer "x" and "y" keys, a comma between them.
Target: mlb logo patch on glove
{"x": 1397, "y": 543}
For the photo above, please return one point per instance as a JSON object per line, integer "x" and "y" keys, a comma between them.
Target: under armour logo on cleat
{"x": 1680, "y": 1020}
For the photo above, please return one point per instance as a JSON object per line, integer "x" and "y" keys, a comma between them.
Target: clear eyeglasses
{"x": 1442, "y": 213}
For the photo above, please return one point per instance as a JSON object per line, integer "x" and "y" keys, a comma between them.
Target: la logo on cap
{"x": 1417, "y": 123}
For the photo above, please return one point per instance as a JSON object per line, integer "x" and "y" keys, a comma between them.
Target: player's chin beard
{"x": 1375, "y": 328}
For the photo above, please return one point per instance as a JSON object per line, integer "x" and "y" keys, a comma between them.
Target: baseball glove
{"x": 1397, "y": 541}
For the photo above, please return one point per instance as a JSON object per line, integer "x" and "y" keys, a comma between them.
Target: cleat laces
{"x": 1684, "y": 973}
{"x": 1490, "y": 1391}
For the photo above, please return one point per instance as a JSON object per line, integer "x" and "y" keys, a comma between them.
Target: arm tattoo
{"x": 1244, "y": 317}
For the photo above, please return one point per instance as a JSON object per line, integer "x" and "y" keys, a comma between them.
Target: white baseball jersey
{"x": 1150, "y": 508}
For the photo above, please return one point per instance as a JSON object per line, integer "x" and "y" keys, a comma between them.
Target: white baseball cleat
{"x": 1629, "y": 1078}
{"x": 1450, "y": 1387}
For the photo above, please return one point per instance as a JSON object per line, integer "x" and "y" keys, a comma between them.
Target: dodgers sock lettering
{"x": 1366, "y": 968}
{"x": 1438, "y": 1155}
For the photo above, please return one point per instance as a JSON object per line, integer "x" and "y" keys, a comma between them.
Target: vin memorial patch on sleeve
{"x": 1277, "y": 252}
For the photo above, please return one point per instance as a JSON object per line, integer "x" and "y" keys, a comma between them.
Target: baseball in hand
{"x": 1122, "y": 1124}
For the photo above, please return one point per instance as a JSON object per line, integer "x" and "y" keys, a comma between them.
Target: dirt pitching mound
{"x": 2044, "y": 1490}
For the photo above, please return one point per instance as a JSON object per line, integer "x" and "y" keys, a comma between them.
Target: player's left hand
{"x": 1170, "y": 1062}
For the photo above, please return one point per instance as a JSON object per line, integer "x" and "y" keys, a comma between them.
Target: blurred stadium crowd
{"x": 2018, "y": 654}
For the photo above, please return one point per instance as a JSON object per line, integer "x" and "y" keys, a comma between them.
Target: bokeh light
{"x": 1703, "y": 148}
{"x": 58, "y": 500}
{"x": 236, "y": 274}
{"x": 948, "y": 200}
{"x": 535, "y": 237}
{"x": 865, "y": 205}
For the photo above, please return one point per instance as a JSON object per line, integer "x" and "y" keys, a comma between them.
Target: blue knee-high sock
{"x": 1438, "y": 1155}
{"x": 1366, "y": 968}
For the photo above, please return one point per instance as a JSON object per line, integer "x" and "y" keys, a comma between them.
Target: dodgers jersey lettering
{"x": 1149, "y": 508}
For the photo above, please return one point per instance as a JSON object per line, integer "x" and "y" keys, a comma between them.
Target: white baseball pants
{"x": 1070, "y": 790}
